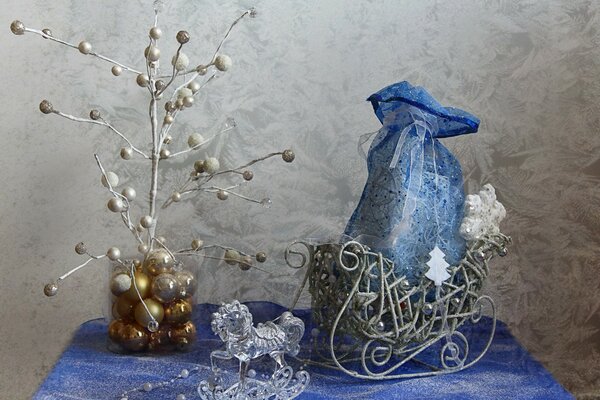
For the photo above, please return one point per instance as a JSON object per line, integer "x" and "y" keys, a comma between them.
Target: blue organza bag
{"x": 413, "y": 199}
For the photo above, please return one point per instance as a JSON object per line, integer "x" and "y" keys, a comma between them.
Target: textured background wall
{"x": 530, "y": 69}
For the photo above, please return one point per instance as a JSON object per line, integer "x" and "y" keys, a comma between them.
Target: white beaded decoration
{"x": 483, "y": 214}
{"x": 223, "y": 62}
{"x": 180, "y": 62}
{"x": 195, "y": 139}
{"x": 211, "y": 165}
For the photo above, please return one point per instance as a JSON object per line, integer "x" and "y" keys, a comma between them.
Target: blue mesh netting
{"x": 413, "y": 199}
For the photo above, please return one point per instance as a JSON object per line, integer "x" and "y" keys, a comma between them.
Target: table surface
{"x": 87, "y": 370}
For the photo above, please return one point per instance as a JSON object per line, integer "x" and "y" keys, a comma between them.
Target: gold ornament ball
{"x": 160, "y": 338}
{"x": 142, "y": 80}
{"x": 51, "y": 289}
{"x": 124, "y": 307}
{"x": 178, "y": 312}
{"x": 80, "y": 248}
{"x": 183, "y": 335}
{"x": 158, "y": 262}
{"x": 114, "y": 330}
{"x": 133, "y": 337}
{"x": 155, "y": 33}
{"x": 154, "y": 307}
{"x": 116, "y": 70}
{"x": 248, "y": 175}
{"x": 142, "y": 282}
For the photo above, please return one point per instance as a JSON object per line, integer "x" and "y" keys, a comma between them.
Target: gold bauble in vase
{"x": 147, "y": 311}
{"x": 158, "y": 262}
{"x": 142, "y": 283}
{"x": 133, "y": 337}
{"x": 182, "y": 336}
{"x": 178, "y": 312}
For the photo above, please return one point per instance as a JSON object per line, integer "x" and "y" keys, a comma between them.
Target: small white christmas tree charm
{"x": 437, "y": 267}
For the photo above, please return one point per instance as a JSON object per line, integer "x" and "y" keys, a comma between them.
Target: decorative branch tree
{"x": 159, "y": 274}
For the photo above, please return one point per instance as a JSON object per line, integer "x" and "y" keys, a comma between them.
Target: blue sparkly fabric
{"x": 413, "y": 199}
{"x": 87, "y": 370}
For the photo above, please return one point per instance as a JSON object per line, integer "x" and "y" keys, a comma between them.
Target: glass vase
{"x": 150, "y": 304}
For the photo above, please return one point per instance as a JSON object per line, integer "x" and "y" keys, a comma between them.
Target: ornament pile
{"x": 152, "y": 311}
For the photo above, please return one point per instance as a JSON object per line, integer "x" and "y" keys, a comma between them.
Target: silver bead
{"x": 245, "y": 263}
{"x": 129, "y": 193}
{"x": 165, "y": 153}
{"x": 169, "y": 106}
{"x": 222, "y": 194}
{"x": 479, "y": 256}
{"x": 84, "y": 47}
{"x": 188, "y": 101}
{"x": 116, "y": 70}
{"x": 80, "y": 248}
{"x": 503, "y": 252}
{"x": 266, "y": 202}
{"x": 155, "y": 33}
{"x": 147, "y": 387}
{"x": 142, "y": 80}
{"x": 183, "y": 37}
{"x": 17, "y": 27}
{"x": 261, "y": 257}
{"x": 115, "y": 205}
{"x": 223, "y": 62}
{"x": 165, "y": 288}
{"x": 380, "y": 326}
{"x": 199, "y": 166}
{"x": 146, "y": 221}
{"x": 176, "y": 197}
{"x": 248, "y": 175}
{"x": 184, "y": 373}
{"x": 201, "y": 70}
{"x": 51, "y": 289}
{"x": 168, "y": 139}
{"x": 427, "y": 309}
{"x": 193, "y": 86}
{"x": 95, "y": 115}
{"x": 159, "y": 85}
{"x": 455, "y": 301}
{"x": 232, "y": 256}
{"x": 405, "y": 284}
{"x": 152, "y": 53}
{"x": 197, "y": 244}
{"x": 143, "y": 248}
{"x": 126, "y": 153}
{"x": 288, "y": 156}
{"x": 47, "y": 32}
{"x": 168, "y": 119}
{"x": 46, "y": 107}
{"x": 113, "y": 253}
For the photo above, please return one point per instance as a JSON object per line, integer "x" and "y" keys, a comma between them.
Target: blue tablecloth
{"x": 87, "y": 370}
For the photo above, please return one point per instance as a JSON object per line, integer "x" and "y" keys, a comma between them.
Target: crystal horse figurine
{"x": 233, "y": 324}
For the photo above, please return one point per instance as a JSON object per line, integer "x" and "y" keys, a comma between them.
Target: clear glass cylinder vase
{"x": 150, "y": 305}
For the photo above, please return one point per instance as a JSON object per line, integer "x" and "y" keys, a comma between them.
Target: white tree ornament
{"x": 437, "y": 267}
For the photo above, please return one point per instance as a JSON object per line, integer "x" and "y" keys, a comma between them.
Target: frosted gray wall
{"x": 530, "y": 69}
